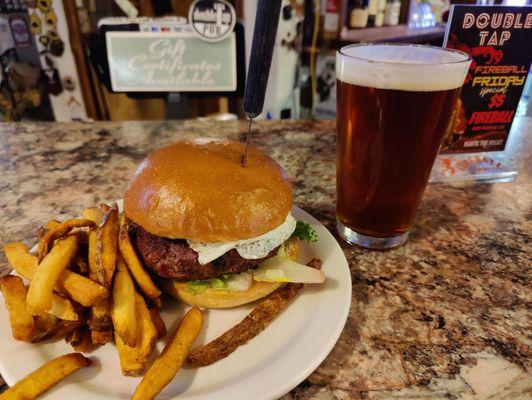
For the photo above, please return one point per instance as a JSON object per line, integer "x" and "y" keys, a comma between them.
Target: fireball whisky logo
{"x": 492, "y": 55}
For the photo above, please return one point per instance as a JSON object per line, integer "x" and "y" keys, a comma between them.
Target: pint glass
{"x": 393, "y": 105}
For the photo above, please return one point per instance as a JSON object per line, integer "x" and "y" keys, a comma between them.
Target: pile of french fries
{"x": 88, "y": 285}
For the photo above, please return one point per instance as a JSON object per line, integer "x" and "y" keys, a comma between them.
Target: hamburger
{"x": 214, "y": 233}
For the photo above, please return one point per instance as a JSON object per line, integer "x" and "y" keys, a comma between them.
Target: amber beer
{"x": 394, "y": 103}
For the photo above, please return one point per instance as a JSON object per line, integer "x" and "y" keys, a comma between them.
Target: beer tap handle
{"x": 260, "y": 60}
{"x": 266, "y": 21}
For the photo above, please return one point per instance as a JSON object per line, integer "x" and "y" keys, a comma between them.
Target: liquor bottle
{"x": 358, "y": 17}
{"x": 331, "y": 19}
{"x": 379, "y": 18}
{"x": 373, "y": 6}
{"x": 391, "y": 12}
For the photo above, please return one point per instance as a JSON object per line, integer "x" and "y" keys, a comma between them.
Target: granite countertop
{"x": 445, "y": 316}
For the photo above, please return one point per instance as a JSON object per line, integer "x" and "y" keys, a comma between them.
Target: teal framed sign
{"x": 170, "y": 62}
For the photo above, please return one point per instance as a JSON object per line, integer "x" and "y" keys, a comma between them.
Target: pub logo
{"x": 212, "y": 20}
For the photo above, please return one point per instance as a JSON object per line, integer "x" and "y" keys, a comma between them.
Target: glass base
{"x": 370, "y": 242}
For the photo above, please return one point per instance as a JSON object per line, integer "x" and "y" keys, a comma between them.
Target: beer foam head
{"x": 402, "y": 67}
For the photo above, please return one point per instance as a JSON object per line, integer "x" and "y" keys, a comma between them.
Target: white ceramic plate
{"x": 267, "y": 367}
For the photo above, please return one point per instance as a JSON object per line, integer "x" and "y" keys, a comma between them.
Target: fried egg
{"x": 250, "y": 249}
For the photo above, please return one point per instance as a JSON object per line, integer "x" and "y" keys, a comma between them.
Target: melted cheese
{"x": 250, "y": 249}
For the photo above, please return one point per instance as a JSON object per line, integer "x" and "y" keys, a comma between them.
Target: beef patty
{"x": 174, "y": 258}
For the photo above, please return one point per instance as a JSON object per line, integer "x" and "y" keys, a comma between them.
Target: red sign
{"x": 499, "y": 40}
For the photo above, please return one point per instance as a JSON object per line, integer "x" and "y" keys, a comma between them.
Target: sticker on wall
{"x": 51, "y": 18}
{"x": 69, "y": 83}
{"x": 76, "y": 109}
{"x": 52, "y": 34}
{"x": 20, "y": 31}
{"x": 44, "y": 5}
{"x": 35, "y": 23}
{"x": 212, "y": 20}
{"x": 44, "y": 40}
{"x": 57, "y": 48}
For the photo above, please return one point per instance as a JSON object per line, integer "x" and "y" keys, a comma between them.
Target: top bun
{"x": 197, "y": 190}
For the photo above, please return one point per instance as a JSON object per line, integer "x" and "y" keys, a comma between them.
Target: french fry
{"x": 93, "y": 264}
{"x": 59, "y": 231}
{"x": 46, "y": 322}
{"x": 133, "y": 359}
{"x": 47, "y": 326}
{"x": 21, "y": 260}
{"x": 100, "y": 318}
{"x": 100, "y": 322}
{"x": 134, "y": 265}
{"x": 41, "y": 231}
{"x": 74, "y": 337}
{"x": 94, "y": 214}
{"x": 52, "y": 224}
{"x": 77, "y": 287}
{"x": 123, "y": 311}
{"x": 21, "y": 320}
{"x": 129, "y": 363}
{"x": 39, "y": 299}
{"x": 81, "y": 236}
{"x": 66, "y": 327}
{"x": 85, "y": 344}
{"x": 46, "y": 377}
{"x": 80, "y": 339}
{"x": 155, "y": 302}
{"x": 172, "y": 357}
{"x": 158, "y": 322}
{"x": 101, "y": 337}
{"x": 51, "y": 327}
{"x": 62, "y": 308}
{"x": 82, "y": 266}
{"x": 80, "y": 289}
{"x": 107, "y": 247}
{"x": 254, "y": 323}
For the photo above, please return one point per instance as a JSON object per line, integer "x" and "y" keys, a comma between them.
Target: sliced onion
{"x": 239, "y": 282}
{"x": 282, "y": 269}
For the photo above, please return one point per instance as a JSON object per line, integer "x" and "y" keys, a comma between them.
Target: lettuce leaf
{"x": 305, "y": 232}
{"x": 217, "y": 283}
{"x": 196, "y": 286}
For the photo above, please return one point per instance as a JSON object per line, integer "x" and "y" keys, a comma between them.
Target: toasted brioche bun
{"x": 221, "y": 298}
{"x": 198, "y": 190}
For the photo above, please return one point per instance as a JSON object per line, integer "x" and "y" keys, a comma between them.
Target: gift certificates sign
{"x": 499, "y": 41}
{"x": 170, "y": 62}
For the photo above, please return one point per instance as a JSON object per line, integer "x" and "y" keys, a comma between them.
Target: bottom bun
{"x": 220, "y": 298}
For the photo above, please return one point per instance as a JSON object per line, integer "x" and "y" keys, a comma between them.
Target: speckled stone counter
{"x": 445, "y": 316}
